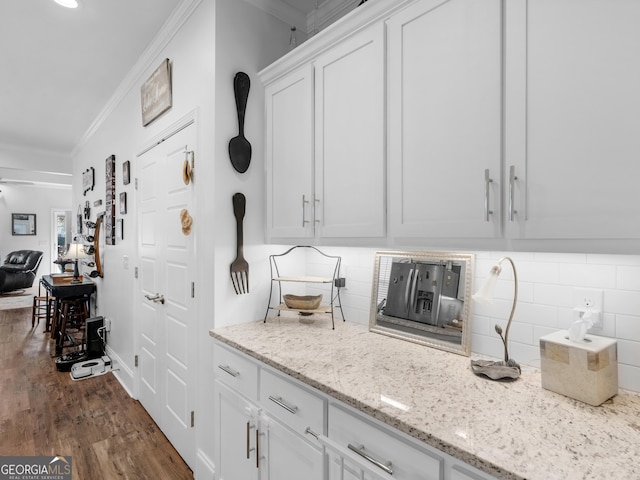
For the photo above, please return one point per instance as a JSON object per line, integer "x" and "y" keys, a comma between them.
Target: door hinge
{"x": 193, "y": 289}
{"x": 135, "y": 272}
{"x": 136, "y": 183}
{"x": 135, "y": 360}
{"x": 193, "y": 419}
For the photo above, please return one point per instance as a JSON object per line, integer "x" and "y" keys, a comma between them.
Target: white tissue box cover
{"x": 586, "y": 370}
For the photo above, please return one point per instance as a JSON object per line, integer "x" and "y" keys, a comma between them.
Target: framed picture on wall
{"x": 23, "y": 224}
{"x": 110, "y": 210}
{"x": 126, "y": 172}
{"x": 155, "y": 93}
{"x": 123, "y": 203}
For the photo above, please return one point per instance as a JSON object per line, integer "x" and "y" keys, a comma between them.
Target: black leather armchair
{"x": 19, "y": 270}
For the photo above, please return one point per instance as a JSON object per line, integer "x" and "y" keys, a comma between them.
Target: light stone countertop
{"x": 514, "y": 430}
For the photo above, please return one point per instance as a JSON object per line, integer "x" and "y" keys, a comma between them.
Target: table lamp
{"x": 508, "y": 368}
{"x": 75, "y": 252}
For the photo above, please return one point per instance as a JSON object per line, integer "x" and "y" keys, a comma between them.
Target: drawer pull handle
{"x": 386, "y": 466}
{"x": 278, "y": 400}
{"x": 312, "y": 433}
{"x": 229, "y": 370}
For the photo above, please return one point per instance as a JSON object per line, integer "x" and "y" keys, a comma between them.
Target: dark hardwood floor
{"x": 44, "y": 412}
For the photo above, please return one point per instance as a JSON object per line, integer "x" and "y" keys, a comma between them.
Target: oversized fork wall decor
{"x": 239, "y": 267}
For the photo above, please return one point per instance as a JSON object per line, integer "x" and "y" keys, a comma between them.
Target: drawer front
{"x": 236, "y": 371}
{"x": 377, "y": 445}
{"x": 293, "y": 405}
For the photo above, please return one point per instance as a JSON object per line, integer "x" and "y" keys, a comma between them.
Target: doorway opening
{"x": 61, "y": 237}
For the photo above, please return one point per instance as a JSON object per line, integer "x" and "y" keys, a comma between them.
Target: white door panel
{"x": 166, "y": 328}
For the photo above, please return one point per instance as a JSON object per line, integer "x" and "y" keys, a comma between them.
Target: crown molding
{"x": 171, "y": 27}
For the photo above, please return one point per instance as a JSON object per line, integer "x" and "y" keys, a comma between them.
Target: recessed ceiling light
{"x": 67, "y": 3}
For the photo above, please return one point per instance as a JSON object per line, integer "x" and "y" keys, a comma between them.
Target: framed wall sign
{"x": 126, "y": 172}
{"x": 155, "y": 93}
{"x": 123, "y": 203}
{"x": 23, "y": 224}
{"x": 110, "y": 205}
{"x": 88, "y": 180}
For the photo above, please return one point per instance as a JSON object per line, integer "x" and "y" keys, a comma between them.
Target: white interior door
{"x": 165, "y": 307}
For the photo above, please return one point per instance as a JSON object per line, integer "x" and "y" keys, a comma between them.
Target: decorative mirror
{"x": 98, "y": 241}
{"x": 23, "y": 223}
{"x": 424, "y": 297}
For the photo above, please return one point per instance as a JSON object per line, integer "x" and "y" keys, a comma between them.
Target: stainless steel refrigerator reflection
{"x": 416, "y": 292}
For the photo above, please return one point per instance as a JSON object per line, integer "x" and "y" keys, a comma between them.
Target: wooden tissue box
{"x": 586, "y": 370}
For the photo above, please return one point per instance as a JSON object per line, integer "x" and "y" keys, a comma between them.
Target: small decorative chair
{"x": 40, "y": 308}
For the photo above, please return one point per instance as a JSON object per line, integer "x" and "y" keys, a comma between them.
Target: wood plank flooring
{"x": 44, "y": 412}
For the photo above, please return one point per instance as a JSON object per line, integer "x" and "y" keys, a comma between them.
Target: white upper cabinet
{"x": 445, "y": 119}
{"x": 572, "y": 123}
{"x": 289, "y": 155}
{"x": 350, "y": 181}
{"x": 325, "y": 143}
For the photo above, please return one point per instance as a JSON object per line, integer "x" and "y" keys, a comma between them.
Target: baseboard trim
{"x": 205, "y": 469}
{"x": 123, "y": 374}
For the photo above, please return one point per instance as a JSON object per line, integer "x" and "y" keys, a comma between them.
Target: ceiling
{"x": 61, "y": 66}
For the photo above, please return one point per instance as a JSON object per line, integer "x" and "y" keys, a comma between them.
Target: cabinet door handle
{"x": 257, "y": 448}
{"x": 512, "y": 181}
{"x": 386, "y": 466}
{"x": 487, "y": 194}
{"x": 316, "y": 203}
{"x": 229, "y": 370}
{"x": 304, "y": 202}
{"x": 312, "y": 433}
{"x": 248, "y": 440}
{"x": 279, "y": 401}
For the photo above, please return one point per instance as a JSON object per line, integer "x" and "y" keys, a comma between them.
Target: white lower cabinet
{"x": 384, "y": 455}
{"x": 237, "y": 436}
{"x": 289, "y": 455}
{"x": 270, "y": 426}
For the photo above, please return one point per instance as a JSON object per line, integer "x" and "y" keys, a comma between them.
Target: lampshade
{"x": 67, "y": 3}
{"x": 76, "y": 250}
{"x": 484, "y": 296}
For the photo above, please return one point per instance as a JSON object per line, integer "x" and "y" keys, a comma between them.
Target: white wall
{"x": 546, "y": 285}
{"x": 220, "y": 38}
{"x": 31, "y": 199}
{"x": 26, "y": 164}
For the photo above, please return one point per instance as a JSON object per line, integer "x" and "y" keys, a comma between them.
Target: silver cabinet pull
{"x": 487, "y": 194}
{"x": 248, "y": 440}
{"x": 257, "y": 448}
{"x": 316, "y": 202}
{"x": 312, "y": 433}
{"x": 157, "y": 298}
{"x": 229, "y": 370}
{"x": 512, "y": 180}
{"x": 386, "y": 466}
{"x": 304, "y": 202}
{"x": 279, "y": 401}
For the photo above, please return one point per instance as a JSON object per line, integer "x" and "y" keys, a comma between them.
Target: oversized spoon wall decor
{"x": 239, "y": 146}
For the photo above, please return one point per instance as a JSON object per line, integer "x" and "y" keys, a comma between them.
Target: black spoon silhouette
{"x": 239, "y": 147}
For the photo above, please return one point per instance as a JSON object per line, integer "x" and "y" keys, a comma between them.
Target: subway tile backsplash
{"x": 545, "y": 301}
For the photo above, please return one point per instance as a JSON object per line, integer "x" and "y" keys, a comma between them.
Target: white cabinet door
{"x": 445, "y": 119}
{"x": 237, "y": 434}
{"x": 289, "y": 456}
{"x": 289, "y": 155}
{"x": 349, "y": 137}
{"x": 572, "y": 122}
